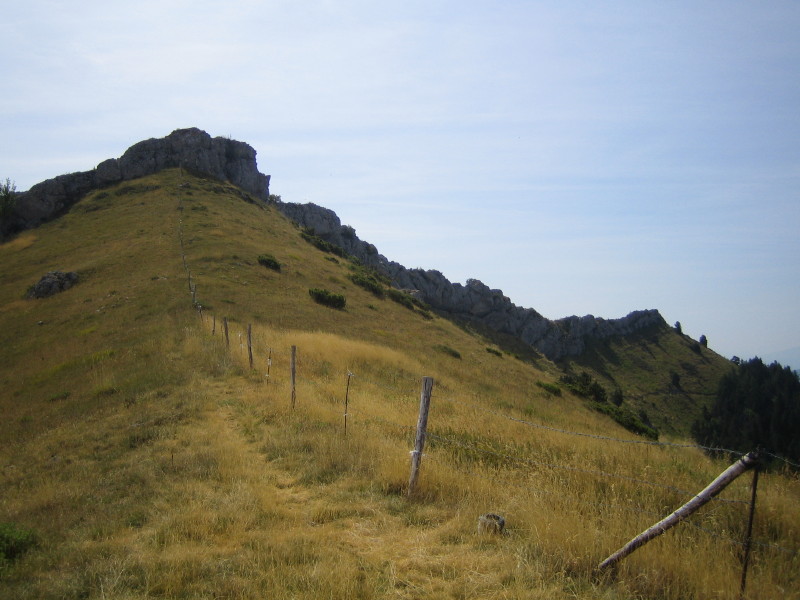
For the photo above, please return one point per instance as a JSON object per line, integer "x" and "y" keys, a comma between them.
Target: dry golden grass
{"x": 152, "y": 462}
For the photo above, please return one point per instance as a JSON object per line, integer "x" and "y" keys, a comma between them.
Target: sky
{"x": 583, "y": 157}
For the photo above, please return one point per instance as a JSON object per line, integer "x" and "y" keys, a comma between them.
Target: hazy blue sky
{"x": 584, "y": 157}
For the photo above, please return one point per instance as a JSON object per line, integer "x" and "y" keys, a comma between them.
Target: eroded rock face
{"x": 474, "y": 302}
{"x": 192, "y": 149}
{"x": 53, "y": 283}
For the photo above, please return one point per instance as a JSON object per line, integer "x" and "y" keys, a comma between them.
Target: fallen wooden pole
{"x": 715, "y": 487}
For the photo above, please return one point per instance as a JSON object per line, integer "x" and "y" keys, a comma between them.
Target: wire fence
{"x": 403, "y": 385}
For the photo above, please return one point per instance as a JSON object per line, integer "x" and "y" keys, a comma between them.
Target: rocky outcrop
{"x": 192, "y": 149}
{"x": 53, "y": 283}
{"x": 474, "y": 302}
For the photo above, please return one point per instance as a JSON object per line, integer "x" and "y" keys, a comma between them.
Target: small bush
{"x": 585, "y": 385}
{"x": 550, "y": 388}
{"x": 327, "y": 298}
{"x": 368, "y": 282}
{"x": 449, "y": 351}
{"x": 270, "y": 262}
{"x": 316, "y": 241}
{"x": 495, "y": 352}
{"x": 627, "y": 419}
{"x": 401, "y": 298}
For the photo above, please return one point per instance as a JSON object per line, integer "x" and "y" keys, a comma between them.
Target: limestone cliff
{"x": 192, "y": 149}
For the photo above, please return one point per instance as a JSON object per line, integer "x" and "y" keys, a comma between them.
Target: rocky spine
{"x": 474, "y": 302}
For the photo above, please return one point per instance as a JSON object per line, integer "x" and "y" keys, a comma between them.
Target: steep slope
{"x": 151, "y": 461}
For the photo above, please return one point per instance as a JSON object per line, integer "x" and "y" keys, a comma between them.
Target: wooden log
{"x": 715, "y": 487}
{"x": 422, "y": 427}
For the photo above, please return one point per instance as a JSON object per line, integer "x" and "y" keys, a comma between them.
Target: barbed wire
{"x": 592, "y": 435}
{"x": 784, "y": 459}
{"x": 624, "y": 507}
{"x": 576, "y": 469}
{"x": 528, "y": 423}
{"x": 370, "y": 420}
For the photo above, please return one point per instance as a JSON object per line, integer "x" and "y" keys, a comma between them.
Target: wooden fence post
{"x": 346, "y": 399}
{"x": 213, "y": 324}
{"x": 225, "y": 328}
{"x": 269, "y": 362}
{"x": 250, "y": 343}
{"x": 748, "y": 537}
{"x": 422, "y": 426}
{"x": 715, "y": 487}
{"x": 294, "y": 375}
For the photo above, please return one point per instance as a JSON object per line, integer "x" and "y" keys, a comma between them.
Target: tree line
{"x": 756, "y": 405}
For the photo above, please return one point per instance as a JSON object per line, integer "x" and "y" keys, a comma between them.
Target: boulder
{"x": 52, "y": 283}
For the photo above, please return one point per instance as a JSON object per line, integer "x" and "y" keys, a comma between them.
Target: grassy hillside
{"x": 143, "y": 458}
{"x": 665, "y": 375}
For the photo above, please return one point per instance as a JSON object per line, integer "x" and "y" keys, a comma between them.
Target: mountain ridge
{"x": 234, "y": 161}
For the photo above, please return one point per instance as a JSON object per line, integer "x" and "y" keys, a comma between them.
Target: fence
{"x": 421, "y": 435}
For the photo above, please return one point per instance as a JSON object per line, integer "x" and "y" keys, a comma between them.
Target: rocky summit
{"x": 192, "y": 149}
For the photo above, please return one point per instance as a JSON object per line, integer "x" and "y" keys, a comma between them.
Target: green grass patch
{"x": 14, "y": 542}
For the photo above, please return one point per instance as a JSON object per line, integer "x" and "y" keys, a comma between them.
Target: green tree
{"x": 8, "y": 199}
{"x": 756, "y": 405}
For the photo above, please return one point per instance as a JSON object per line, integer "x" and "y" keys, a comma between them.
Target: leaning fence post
{"x": 715, "y": 487}
{"x": 225, "y": 328}
{"x": 422, "y": 426}
{"x": 294, "y": 375}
